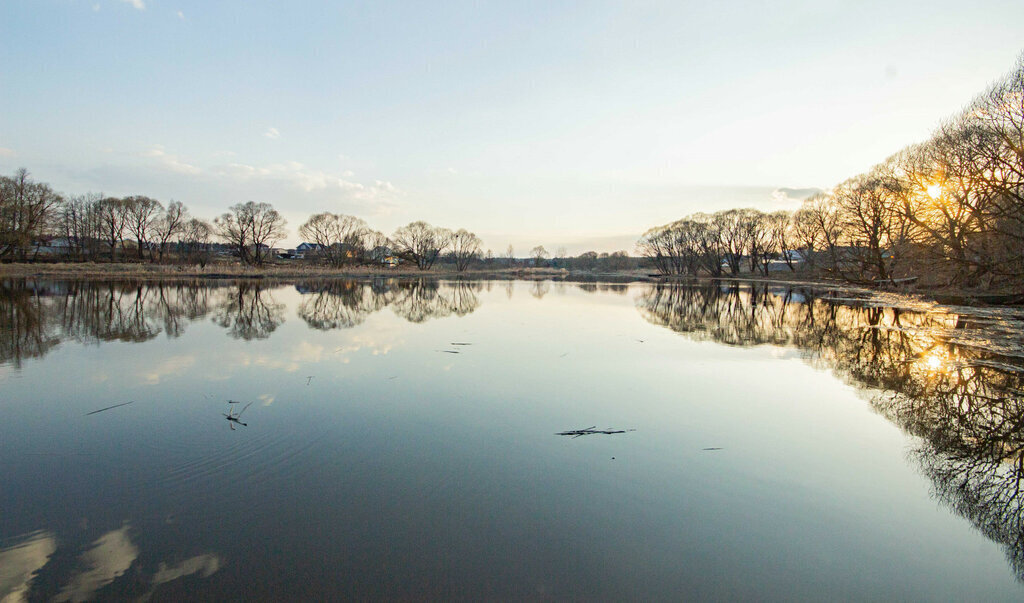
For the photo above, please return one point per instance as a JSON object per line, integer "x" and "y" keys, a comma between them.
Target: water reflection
{"x": 926, "y": 369}
{"x": 105, "y": 560}
{"x": 249, "y": 312}
{"x": 36, "y": 316}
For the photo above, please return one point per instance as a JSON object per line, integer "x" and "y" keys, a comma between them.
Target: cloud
{"x": 790, "y": 195}
{"x": 272, "y": 133}
{"x": 96, "y": 8}
{"x": 307, "y": 179}
{"x": 137, "y": 4}
{"x": 181, "y": 15}
{"x": 5, "y": 152}
{"x": 170, "y": 162}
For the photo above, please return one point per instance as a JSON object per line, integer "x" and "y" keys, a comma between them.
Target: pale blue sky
{"x": 557, "y": 123}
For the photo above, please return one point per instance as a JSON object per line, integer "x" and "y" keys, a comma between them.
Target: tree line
{"x": 950, "y": 208}
{"x": 139, "y": 228}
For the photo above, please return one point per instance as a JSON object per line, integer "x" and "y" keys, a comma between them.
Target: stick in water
{"x": 108, "y": 408}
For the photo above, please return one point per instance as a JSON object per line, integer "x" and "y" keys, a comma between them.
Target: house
{"x": 384, "y": 255}
{"x": 307, "y": 248}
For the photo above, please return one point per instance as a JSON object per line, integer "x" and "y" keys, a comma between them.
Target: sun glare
{"x": 935, "y": 191}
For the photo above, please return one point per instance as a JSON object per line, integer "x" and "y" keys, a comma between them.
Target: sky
{"x": 564, "y": 124}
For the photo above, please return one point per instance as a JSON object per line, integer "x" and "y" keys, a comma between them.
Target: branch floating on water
{"x": 591, "y": 430}
{"x": 109, "y": 407}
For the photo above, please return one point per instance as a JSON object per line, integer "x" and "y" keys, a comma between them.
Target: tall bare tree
{"x": 538, "y": 254}
{"x": 465, "y": 248}
{"x": 26, "y": 207}
{"x": 140, "y": 216}
{"x": 342, "y": 238}
{"x": 251, "y": 228}
{"x": 421, "y": 243}
{"x": 112, "y": 212}
{"x": 169, "y": 225}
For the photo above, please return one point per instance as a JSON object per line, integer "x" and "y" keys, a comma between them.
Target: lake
{"x": 398, "y": 439}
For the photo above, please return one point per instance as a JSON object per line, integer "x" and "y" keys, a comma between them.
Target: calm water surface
{"x": 397, "y": 439}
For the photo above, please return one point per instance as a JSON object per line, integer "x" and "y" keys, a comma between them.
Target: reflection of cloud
{"x": 138, "y": 4}
{"x": 5, "y": 152}
{"x": 272, "y": 133}
{"x": 267, "y": 399}
{"x": 170, "y": 366}
{"x": 19, "y": 563}
{"x": 205, "y": 565}
{"x": 110, "y": 556}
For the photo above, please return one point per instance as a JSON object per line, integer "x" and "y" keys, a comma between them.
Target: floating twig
{"x": 712, "y": 448}
{"x": 591, "y": 430}
{"x": 447, "y": 351}
{"x": 456, "y": 343}
{"x": 108, "y": 408}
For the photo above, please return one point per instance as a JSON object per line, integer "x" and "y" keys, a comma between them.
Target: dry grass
{"x": 235, "y": 270}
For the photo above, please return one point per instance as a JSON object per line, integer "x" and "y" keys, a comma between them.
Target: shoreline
{"x": 276, "y": 272}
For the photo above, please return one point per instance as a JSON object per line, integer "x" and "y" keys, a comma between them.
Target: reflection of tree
{"x": 539, "y": 289}
{"x": 422, "y": 299}
{"x": 37, "y": 315}
{"x": 249, "y": 312}
{"x": 336, "y": 304}
{"x": 24, "y": 332}
{"x": 929, "y": 372}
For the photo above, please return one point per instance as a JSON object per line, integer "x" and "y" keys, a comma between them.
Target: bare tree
{"x": 465, "y": 248}
{"x": 26, "y": 207}
{"x": 140, "y": 216}
{"x": 196, "y": 235}
{"x": 538, "y": 254}
{"x": 510, "y": 255}
{"x": 251, "y": 228}
{"x": 421, "y": 243}
{"x": 342, "y": 238}
{"x": 112, "y": 212}
{"x": 170, "y": 224}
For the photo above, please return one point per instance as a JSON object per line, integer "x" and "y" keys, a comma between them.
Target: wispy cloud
{"x": 181, "y": 15}
{"x": 170, "y": 162}
{"x": 272, "y": 134}
{"x": 138, "y": 4}
{"x": 5, "y": 152}
{"x": 96, "y": 7}
{"x": 306, "y": 179}
{"x": 791, "y": 195}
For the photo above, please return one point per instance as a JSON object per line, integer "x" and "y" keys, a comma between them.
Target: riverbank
{"x": 290, "y": 271}
{"x": 144, "y": 271}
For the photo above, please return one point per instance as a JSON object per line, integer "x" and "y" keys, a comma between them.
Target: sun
{"x": 935, "y": 191}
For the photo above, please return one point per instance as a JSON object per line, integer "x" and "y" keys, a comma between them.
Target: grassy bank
{"x": 144, "y": 271}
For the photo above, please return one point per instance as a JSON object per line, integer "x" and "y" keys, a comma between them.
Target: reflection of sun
{"x": 935, "y": 191}
{"x": 936, "y": 361}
